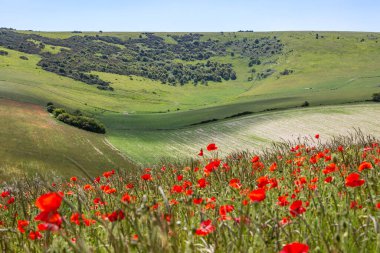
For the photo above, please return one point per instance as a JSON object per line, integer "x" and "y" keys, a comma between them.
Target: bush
{"x": 2, "y": 52}
{"x": 58, "y": 111}
{"x": 82, "y": 122}
{"x": 24, "y": 58}
{"x": 376, "y": 97}
{"x": 305, "y": 104}
{"x": 50, "y": 108}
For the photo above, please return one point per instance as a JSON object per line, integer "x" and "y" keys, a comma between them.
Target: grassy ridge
{"x": 33, "y": 141}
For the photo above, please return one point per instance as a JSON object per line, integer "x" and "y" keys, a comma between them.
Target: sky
{"x": 191, "y": 15}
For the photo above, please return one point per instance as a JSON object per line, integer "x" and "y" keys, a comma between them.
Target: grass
{"x": 324, "y": 196}
{"x": 327, "y": 71}
{"x": 34, "y": 142}
{"x": 251, "y": 132}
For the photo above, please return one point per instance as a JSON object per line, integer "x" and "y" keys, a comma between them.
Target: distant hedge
{"x": 78, "y": 120}
{"x": 376, "y": 97}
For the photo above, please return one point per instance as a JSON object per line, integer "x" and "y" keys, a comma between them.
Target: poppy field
{"x": 295, "y": 197}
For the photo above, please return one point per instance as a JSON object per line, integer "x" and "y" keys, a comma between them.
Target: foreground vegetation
{"x": 295, "y": 197}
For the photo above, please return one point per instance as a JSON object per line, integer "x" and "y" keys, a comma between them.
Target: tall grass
{"x": 209, "y": 204}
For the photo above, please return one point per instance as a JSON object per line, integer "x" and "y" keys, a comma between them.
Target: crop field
{"x": 250, "y": 132}
{"x": 33, "y": 141}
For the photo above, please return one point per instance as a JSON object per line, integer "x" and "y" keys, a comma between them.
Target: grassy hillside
{"x": 33, "y": 141}
{"x": 249, "y": 132}
{"x": 336, "y": 68}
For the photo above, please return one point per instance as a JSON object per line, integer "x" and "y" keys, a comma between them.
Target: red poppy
{"x": 330, "y": 168}
{"x": 87, "y": 187}
{"x": 197, "y": 201}
{"x": 316, "y": 136}
{"x": 364, "y": 166}
{"x": 295, "y": 247}
{"x": 257, "y": 195}
{"x": 273, "y": 167}
{"x": 73, "y": 179}
{"x": 205, "y": 228}
{"x": 353, "y": 180}
{"x": 33, "y": 235}
{"x": 202, "y": 183}
{"x": 116, "y": 216}
{"x": 211, "y": 147}
{"x": 255, "y": 159}
{"x": 262, "y": 181}
{"x": 49, "y": 202}
{"x": 21, "y": 224}
{"x": 200, "y": 152}
{"x": 223, "y": 210}
{"x": 177, "y": 189}
{"x": 235, "y": 183}
{"x": 329, "y": 179}
{"x": 296, "y": 208}
{"x": 146, "y": 177}
{"x": 282, "y": 201}
{"x": 52, "y": 218}
{"x": 126, "y": 198}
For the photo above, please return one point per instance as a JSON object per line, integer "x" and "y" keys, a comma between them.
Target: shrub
{"x": 376, "y": 97}
{"x": 50, "y": 108}
{"x": 24, "y": 58}
{"x": 58, "y": 111}
{"x": 2, "y": 52}
{"x": 305, "y": 104}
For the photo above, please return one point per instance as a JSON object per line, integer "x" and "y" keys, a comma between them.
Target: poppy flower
{"x": 146, "y": 177}
{"x": 330, "y": 168}
{"x": 223, "y": 210}
{"x": 202, "y": 183}
{"x": 197, "y": 201}
{"x": 296, "y": 208}
{"x": 49, "y": 202}
{"x": 52, "y": 218}
{"x": 116, "y": 216}
{"x": 364, "y": 166}
{"x": 257, "y": 195}
{"x": 205, "y": 228}
{"x": 316, "y": 136}
{"x": 33, "y": 235}
{"x": 73, "y": 179}
{"x": 21, "y": 224}
{"x": 211, "y": 147}
{"x": 235, "y": 183}
{"x": 273, "y": 167}
{"x": 200, "y": 152}
{"x": 295, "y": 247}
{"x": 353, "y": 180}
{"x": 126, "y": 198}
{"x": 255, "y": 159}
{"x": 177, "y": 189}
{"x": 282, "y": 201}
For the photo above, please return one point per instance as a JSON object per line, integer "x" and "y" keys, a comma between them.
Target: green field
{"x": 144, "y": 117}
{"x": 33, "y": 140}
{"x": 250, "y": 133}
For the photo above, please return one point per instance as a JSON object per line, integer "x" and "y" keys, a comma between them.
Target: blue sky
{"x": 191, "y": 15}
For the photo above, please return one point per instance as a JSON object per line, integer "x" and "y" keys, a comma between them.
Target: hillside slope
{"x": 33, "y": 141}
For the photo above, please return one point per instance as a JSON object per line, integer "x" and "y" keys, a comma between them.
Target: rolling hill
{"x": 322, "y": 68}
